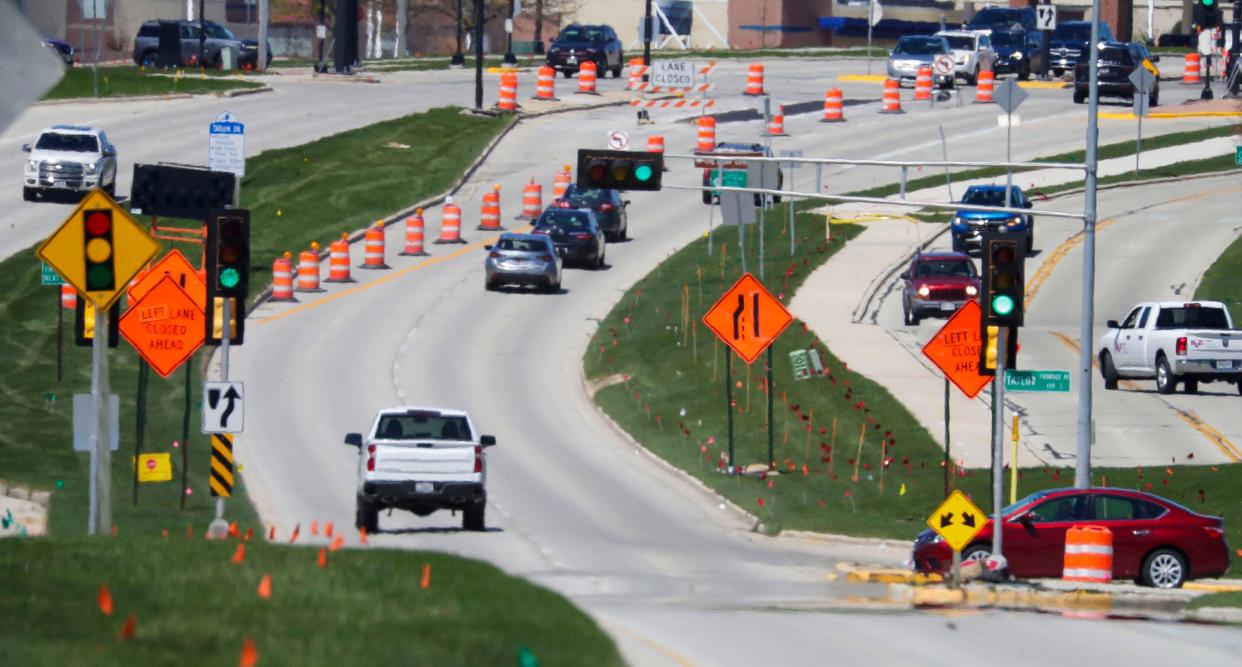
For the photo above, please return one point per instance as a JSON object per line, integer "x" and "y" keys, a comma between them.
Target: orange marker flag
{"x": 249, "y": 654}
{"x": 327, "y": 529}
{"x": 240, "y": 554}
{"x": 314, "y": 528}
{"x": 426, "y": 581}
{"x": 189, "y": 532}
{"x": 164, "y": 533}
{"x": 233, "y": 531}
{"x": 127, "y": 630}
{"x": 294, "y": 537}
{"x": 265, "y": 587}
{"x": 362, "y": 535}
{"x": 322, "y": 559}
{"x": 249, "y": 534}
{"x": 271, "y": 533}
{"x": 105, "y": 600}
{"x": 337, "y": 542}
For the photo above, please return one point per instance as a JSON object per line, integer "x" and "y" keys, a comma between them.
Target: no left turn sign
{"x": 943, "y": 64}
{"x": 618, "y": 140}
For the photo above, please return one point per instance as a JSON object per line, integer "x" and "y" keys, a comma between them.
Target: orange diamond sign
{"x": 173, "y": 264}
{"x": 748, "y": 318}
{"x": 165, "y": 326}
{"x": 955, "y": 349}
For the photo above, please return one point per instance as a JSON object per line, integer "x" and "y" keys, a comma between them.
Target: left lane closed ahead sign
{"x": 165, "y": 326}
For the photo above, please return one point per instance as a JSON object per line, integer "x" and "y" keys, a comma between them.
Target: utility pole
{"x": 202, "y": 36}
{"x": 260, "y": 63}
{"x": 1235, "y": 50}
{"x": 478, "y": 54}
{"x": 647, "y": 41}
{"x": 510, "y": 59}
{"x": 539, "y": 27}
{"x": 459, "y": 58}
{"x": 322, "y": 29}
{"x": 100, "y": 519}
{"x": 1086, "y": 336}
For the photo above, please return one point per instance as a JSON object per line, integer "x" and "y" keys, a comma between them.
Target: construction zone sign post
{"x": 957, "y": 520}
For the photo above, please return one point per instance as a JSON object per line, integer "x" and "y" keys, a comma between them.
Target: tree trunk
{"x": 403, "y": 17}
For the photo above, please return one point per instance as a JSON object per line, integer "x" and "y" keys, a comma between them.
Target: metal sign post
{"x": 998, "y": 442}
{"x": 100, "y": 521}
{"x": 1143, "y": 80}
{"x": 1045, "y": 22}
{"x": 1009, "y": 96}
{"x": 219, "y": 528}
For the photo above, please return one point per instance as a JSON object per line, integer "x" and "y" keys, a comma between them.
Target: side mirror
{"x": 487, "y": 247}
{"x": 110, "y": 151}
{"x": 1027, "y": 204}
{"x": 1112, "y": 324}
{"x": 625, "y": 202}
{"x": 25, "y": 148}
{"x": 353, "y": 439}
{"x": 905, "y": 275}
{"x": 487, "y": 440}
{"x": 1155, "y": 59}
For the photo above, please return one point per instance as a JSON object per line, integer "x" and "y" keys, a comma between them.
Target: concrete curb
{"x": 238, "y": 92}
{"x": 1214, "y": 615}
{"x": 105, "y": 100}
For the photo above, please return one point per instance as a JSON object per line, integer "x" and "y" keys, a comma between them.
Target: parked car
{"x": 972, "y": 51}
{"x": 1155, "y": 541}
{"x": 915, "y": 51}
{"x": 712, "y": 169}
{"x": 1017, "y": 52}
{"x": 1117, "y": 61}
{"x": 63, "y": 49}
{"x": 1173, "y": 341}
{"x": 937, "y": 282}
{"x": 69, "y": 159}
{"x": 421, "y": 460}
{"x": 217, "y": 38}
{"x": 1004, "y": 19}
{"x": 575, "y": 233}
{"x": 522, "y": 259}
{"x": 580, "y": 43}
{"x": 967, "y": 226}
{"x": 1071, "y": 42}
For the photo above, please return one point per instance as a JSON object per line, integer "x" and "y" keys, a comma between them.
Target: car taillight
{"x": 370, "y": 458}
{"x": 606, "y": 207}
{"x": 583, "y": 235}
{"x": 1181, "y": 346}
{"x": 493, "y": 254}
{"x": 546, "y": 258}
{"x": 541, "y": 232}
{"x": 562, "y": 203}
{"x": 478, "y": 458}
{"x": 1214, "y": 532}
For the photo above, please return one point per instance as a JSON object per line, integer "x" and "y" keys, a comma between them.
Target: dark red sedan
{"x": 937, "y": 282}
{"x": 1156, "y": 542}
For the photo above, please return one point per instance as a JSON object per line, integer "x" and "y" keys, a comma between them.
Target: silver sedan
{"x": 522, "y": 259}
{"x": 913, "y": 52}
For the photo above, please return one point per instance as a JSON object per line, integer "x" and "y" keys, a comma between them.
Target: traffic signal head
{"x": 84, "y": 324}
{"x": 989, "y": 350}
{"x": 98, "y": 250}
{"x": 1003, "y": 280}
{"x": 228, "y": 253}
{"x": 1207, "y": 14}
{"x": 619, "y": 170}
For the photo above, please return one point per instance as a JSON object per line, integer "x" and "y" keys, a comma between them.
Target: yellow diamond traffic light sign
{"x": 957, "y": 520}
{"x": 98, "y": 249}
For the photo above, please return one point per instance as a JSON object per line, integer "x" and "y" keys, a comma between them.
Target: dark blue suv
{"x": 967, "y": 225}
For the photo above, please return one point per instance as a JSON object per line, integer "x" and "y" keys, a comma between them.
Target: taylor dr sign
{"x": 1019, "y": 380}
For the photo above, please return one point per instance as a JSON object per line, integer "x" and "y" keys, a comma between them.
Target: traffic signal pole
{"x": 998, "y": 439}
{"x": 1082, "y": 465}
{"x": 100, "y": 516}
{"x": 219, "y": 528}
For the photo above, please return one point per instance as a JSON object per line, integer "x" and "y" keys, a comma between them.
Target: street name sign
{"x": 175, "y": 265}
{"x": 49, "y": 276}
{"x": 116, "y": 240}
{"x": 1022, "y": 380}
{"x": 748, "y": 318}
{"x": 955, "y": 349}
{"x": 226, "y": 144}
{"x": 165, "y": 326}
{"x": 957, "y": 520}
{"x": 224, "y": 407}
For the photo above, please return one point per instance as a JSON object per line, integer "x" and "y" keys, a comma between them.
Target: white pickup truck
{"x": 1173, "y": 341}
{"x": 421, "y": 460}
{"x": 71, "y": 160}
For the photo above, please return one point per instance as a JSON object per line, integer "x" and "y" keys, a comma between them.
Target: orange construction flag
{"x": 322, "y": 559}
{"x": 294, "y": 537}
{"x": 105, "y": 600}
{"x": 337, "y": 542}
{"x": 265, "y": 587}
{"x": 249, "y": 534}
{"x": 426, "y": 581}
{"x": 249, "y": 654}
{"x": 127, "y": 630}
{"x": 362, "y": 535}
{"x": 240, "y": 554}
{"x": 314, "y": 528}
{"x": 233, "y": 531}
{"x": 327, "y": 529}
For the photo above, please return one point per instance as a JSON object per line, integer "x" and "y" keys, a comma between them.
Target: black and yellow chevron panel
{"x": 222, "y": 465}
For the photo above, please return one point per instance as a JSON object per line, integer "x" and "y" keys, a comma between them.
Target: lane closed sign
{"x": 672, "y": 73}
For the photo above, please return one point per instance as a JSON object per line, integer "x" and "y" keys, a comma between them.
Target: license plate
{"x": 948, "y": 306}
{"x": 573, "y": 60}
{"x": 60, "y": 184}
{"x": 1224, "y": 365}
{"x": 424, "y": 487}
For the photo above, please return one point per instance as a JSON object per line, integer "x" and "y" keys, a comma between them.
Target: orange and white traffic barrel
{"x": 414, "y": 227}
{"x": 776, "y": 126}
{"x": 984, "y": 86}
{"x": 450, "y": 223}
{"x": 338, "y": 261}
{"x": 489, "y": 214}
{"x": 707, "y": 134}
{"x": 68, "y": 297}
{"x": 373, "y": 247}
{"x": 545, "y": 85}
{"x": 923, "y": 83}
{"x": 1088, "y": 554}
{"x": 892, "y": 96}
{"x": 561, "y": 183}
{"x": 532, "y": 201}
{"x": 754, "y": 79}
{"x": 636, "y": 71}
{"x": 655, "y": 144}
{"x": 282, "y": 278}
{"x": 587, "y": 73}
{"x": 308, "y": 269}
{"x": 1190, "y": 75}
{"x": 507, "y": 99}
{"x": 834, "y": 106}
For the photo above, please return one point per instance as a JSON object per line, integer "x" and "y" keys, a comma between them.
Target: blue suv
{"x": 967, "y": 225}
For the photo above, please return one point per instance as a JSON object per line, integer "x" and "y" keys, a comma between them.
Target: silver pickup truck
{"x": 1173, "y": 341}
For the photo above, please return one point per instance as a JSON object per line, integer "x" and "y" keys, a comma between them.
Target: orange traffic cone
{"x": 489, "y": 220}
{"x": 450, "y": 223}
{"x": 414, "y": 227}
{"x": 338, "y": 261}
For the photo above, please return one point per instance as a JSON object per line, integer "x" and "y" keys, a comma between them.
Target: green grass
{"x": 192, "y": 605}
{"x": 1223, "y": 280}
{"x": 131, "y": 82}
{"x": 1230, "y": 599}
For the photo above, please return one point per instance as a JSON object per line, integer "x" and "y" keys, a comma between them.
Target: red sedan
{"x": 1155, "y": 541}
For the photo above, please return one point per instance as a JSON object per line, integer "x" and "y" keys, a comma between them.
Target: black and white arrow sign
{"x": 224, "y": 407}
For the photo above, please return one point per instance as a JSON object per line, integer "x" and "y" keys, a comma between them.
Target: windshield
{"x": 73, "y": 143}
{"x": 996, "y": 17}
{"x": 923, "y": 46}
{"x": 1008, "y": 40}
{"x": 931, "y": 268}
{"x": 1073, "y": 32}
{"x": 567, "y": 219}
{"x": 1192, "y": 317}
{"x": 961, "y": 42}
{"x": 525, "y": 245}
{"x": 576, "y": 33}
{"x": 423, "y": 426}
{"x": 1008, "y": 509}
{"x": 1116, "y": 55}
{"x": 587, "y": 198}
{"x": 218, "y": 31}
{"x": 990, "y": 197}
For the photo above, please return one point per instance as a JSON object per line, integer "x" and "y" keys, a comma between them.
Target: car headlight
{"x": 971, "y": 290}
{"x": 1014, "y": 221}
{"x": 1017, "y": 55}
{"x": 32, "y": 164}
{"x": 91, "y": 166}
{"x": 924, "y": 291}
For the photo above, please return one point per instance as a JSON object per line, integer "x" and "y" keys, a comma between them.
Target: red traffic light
{"x": 1002, "y": 254}
{"x": 98, "y": 222}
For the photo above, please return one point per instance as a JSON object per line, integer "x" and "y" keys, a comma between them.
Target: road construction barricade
{"x": 655, "y": 144}
{"x": 587, "y": 73}
{"x": 338, "y": 261}
{"x": 282, "y": 278}
{"x": 68, "y": 297}
{"x": 414, "y": 229}
{"x": 892, "y": 96}
{"x": 532, "y": 201}
{"x": 984, "y": 86}
{"x": 373, "y": 248}
{"x": 1088, "y": 554}
{"x": 489, "y": 214}
{"x": 1190, "y": 75}
{"x": 834, "y": 106}
{"x": 636, "y": 72}
{"x": 450, "y": 223}
{"x": 707, "y": 134}
{"x": 545, "y": 85}
{"x": 776, "y": 126}
{"x": 923, "y": 84}
{"x": 308, "y": 269}
{"x": 561, "y": 183}
{"x": 507, "y": 99}
{"x": 754, "y": 80}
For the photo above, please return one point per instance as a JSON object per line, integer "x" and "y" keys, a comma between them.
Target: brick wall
{"x": 757, "y": 24}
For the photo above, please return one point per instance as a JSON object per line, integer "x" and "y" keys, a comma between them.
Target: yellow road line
{"x": 1041, "y": 274}
{"x": 1113, "y": 115}
{"x": 865, "y": 78}
{"x": 1043, "y": 84}
{"x": 1216, "y": 588}
{"x": 675, "y": 656}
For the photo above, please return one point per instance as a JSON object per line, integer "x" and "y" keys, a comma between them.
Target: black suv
{"x": 147, "y": 45}
{"x": 1117, "y": 61}
{"x": 578, "y": 43}
{"x": 1070, "y": 43}
{"x": 1005, "y": 19}
{"x": 610, "y": 209}
{"x": 1017, "y": 52}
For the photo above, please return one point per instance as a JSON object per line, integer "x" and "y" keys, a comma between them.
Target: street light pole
{"x": 647, "y": 41}
{"x": 478, "y": 54}
{"x": 510, "y": 59}
{"x": 1082, "y": 466}
{"x": 459, "y": 58}
{"x": 539, "y": 27}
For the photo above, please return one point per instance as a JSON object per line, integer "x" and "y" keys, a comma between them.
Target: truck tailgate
{"x": 1216, "y": 344}
{"x": 423, "y": 461}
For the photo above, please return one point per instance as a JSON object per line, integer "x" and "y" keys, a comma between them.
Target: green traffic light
{"x": 643, "y": 172}
{"x": 1208, "y": 3}
{"x": 229, "y": 278}
{"x": 1002, "y": 304}
{"x": 99, "y": 278}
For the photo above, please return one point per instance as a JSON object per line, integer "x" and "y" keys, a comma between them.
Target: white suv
{"x": 69, "y": 159}
{"x": 972, "y": 52}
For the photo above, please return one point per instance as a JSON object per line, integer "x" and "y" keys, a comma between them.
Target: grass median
{"x": 127, "y": 81}
{"x": 1228, "y": 599}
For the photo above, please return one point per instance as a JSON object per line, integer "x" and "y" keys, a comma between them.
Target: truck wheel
{"x": 1166, "y": 382}
{"x": 1190, "y": 386}
{"x": 472, "y": 518}
{"x": 1079, "y": 97}
{"x": 1108, "y": 371}
{"x": 366, "y": 518}
{"x": 30, "y": 194}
